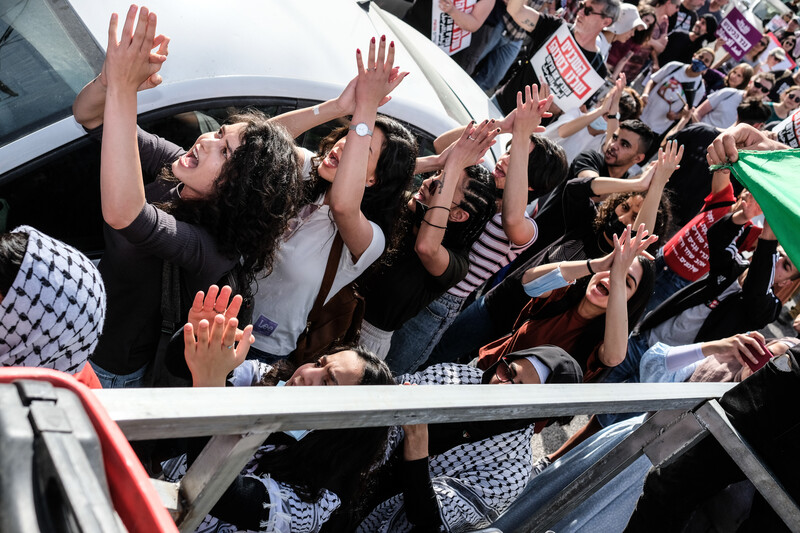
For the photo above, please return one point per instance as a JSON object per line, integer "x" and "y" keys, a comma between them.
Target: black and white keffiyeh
{"x": 474, "y": 482}
{"x": 54, "y": 311}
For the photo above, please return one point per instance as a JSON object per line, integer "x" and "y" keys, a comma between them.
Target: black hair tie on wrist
{"x": 589, "y": 266}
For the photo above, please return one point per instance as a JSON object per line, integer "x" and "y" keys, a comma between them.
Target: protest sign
{"x": 789, "y": 130}
{"x": 561, "y": 64}
{"x": 776, "y": 23}
{"x": 738, "y": 34}
{"x": 445, "y": 32}
{"x": 774, "y": 43}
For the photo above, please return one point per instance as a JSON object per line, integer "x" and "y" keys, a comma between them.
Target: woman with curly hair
{"x": 352, "y": 200}
{"x": 222, "y": 204}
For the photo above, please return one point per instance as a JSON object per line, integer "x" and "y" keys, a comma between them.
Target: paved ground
{"x": 551, "y": 438}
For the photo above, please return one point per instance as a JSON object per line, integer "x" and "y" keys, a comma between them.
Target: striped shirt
{"x": 491, "y": 252}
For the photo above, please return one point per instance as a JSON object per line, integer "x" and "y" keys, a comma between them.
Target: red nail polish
{"x": 383, "y": 37}
{"x": 358, "y": 51}
{"x": 391, "y": 44}
{"x": 373, "y": 40}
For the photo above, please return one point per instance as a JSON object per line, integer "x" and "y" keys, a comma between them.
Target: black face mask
{"x": 613, "y": 227}
{"x": 419, "y": 213}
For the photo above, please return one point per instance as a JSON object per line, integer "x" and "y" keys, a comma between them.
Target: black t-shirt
{"x": 683, "y": 20}
{"x": 550, "y": 218}
{"x": 680, "y": 47}
{"x": 523, "y": 72}
{"x": 691, "y": 183}
{"x": 395, "y": 294}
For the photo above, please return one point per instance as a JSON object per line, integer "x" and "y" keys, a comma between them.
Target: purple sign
{"x": 738, "y": 34}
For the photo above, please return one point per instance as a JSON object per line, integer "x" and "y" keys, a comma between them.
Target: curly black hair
{"x": 383, "y": 201}
{"x": 607, "y": 210}
{"x": 255, "y": 195}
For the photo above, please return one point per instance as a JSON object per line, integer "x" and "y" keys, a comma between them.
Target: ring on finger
{"x": 229, "y": 347}
{"x": 471, "y": 138}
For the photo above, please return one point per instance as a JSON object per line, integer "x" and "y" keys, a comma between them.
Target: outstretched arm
{"x": 615, "y": 340}
{"x": 127, "y": 67}
{"x": 300, "y": 121}
{"x": 90, "y": 103}
{"x": 668, "y": 161}
{"x": 374, "y": 83}
{"x": 468, "y": 150}
{"x": 519, "y": 229}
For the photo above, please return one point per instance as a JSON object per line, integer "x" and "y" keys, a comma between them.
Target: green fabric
{"x": 774, "y": 180}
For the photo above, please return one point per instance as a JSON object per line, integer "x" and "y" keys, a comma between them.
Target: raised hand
{"x": 130, "y": 59}
{"x": 380, "y": 77}
{"x": 530, "y": 111}
{"x": 725, "y": 148}
{"x": 474, "y": 142}
{"x": 214, "y": 354}
{"x": 626, "y": 248}
{"x": 669, "y": 159}
{"x": 215, "y": 302}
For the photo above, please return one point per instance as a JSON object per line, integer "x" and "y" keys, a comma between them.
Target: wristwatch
{"x": 615, "y": 115}
{"x": 361, "y": 129}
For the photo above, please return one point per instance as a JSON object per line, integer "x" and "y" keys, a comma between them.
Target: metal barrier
{"x": 239, "y": 419}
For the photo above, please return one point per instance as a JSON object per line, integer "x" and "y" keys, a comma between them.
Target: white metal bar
{"x": 713, "y": 417}
{"x": 177, "y": 412}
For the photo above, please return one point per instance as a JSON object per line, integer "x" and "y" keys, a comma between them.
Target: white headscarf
{"x": 54, "y": 311}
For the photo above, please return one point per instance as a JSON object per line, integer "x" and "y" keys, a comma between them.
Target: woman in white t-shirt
{"x": 674, "y": 90}
{"x": 355, "y": 187}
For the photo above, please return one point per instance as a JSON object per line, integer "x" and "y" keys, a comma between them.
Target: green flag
{"x": 774, "y": 180}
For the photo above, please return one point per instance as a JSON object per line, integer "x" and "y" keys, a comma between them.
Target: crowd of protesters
{"x": 601, "y": 248}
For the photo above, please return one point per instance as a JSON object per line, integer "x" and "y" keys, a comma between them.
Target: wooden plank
{"x": 212, "y": 473}
{"x": 163, "y": 413}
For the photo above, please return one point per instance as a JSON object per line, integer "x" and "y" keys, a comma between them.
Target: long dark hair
{"x": 253, "y": 198}
{"x": 479, "y": 202}
{"x": 335, "y": 459}
{"x": 383, "y": 201}
{"x": 593, "y": 333}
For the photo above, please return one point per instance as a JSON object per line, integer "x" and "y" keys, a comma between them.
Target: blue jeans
{"x": 668, "y": 282}
{"x": 413, "y": 343}
{"x": 500, "y": 52}
{"x": 108, "y": 380}
{"x": 472, "y": 329}
{"x": 625, "y": 372}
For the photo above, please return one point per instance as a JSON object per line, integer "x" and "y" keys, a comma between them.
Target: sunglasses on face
{"x": 793, "y": 98}
{"x": 761, "y": 88}
{"x": 503, "y": 372}
{"x": 588, "y": 11}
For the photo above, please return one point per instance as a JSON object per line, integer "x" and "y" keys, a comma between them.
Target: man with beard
{"x": 625, "y": 148}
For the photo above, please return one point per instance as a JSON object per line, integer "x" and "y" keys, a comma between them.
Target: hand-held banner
{"x": 445, "y": 32}
{"x": 738, "y": 34}
{"x": 561, "y": 64}
{"x": 772, "y": 179}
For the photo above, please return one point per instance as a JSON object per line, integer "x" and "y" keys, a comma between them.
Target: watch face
{"x": 362, "y": 129}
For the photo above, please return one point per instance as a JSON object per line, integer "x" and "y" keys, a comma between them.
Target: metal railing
{"x": 240, "y": 419}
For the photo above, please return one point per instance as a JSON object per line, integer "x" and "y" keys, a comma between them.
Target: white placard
{"x": 561, "y": 64}
{"x": 445, "y": 32}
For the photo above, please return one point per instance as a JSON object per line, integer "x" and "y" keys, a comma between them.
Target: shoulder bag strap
{"x": 330, "y": 274}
